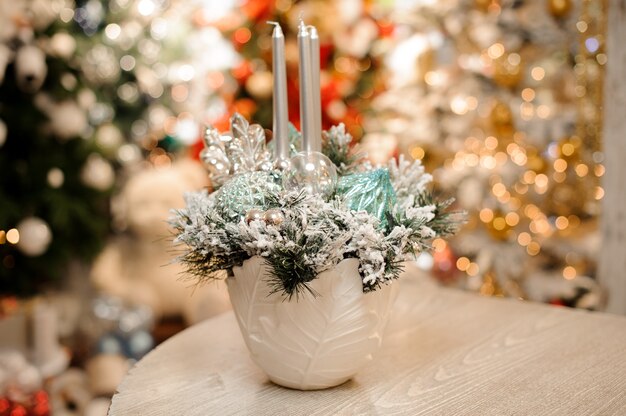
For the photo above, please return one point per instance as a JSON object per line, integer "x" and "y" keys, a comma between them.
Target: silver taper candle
{"x": 306, "y": 94}
{"x": 316, "y": 88}
{"x": 280, "y": 117}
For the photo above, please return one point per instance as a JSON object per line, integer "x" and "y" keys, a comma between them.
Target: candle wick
{"x": 278, "y": 31}
{"x": 302, "y": 29}
{"x": 302, "y": 26}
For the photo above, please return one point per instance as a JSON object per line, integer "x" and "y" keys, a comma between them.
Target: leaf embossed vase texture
{"x": 313, "y": 342}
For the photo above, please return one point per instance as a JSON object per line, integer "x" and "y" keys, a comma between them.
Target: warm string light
{"x": 589, "y": 70}
{"x": 571, "y": 159}
{"x": 12, "y": 236}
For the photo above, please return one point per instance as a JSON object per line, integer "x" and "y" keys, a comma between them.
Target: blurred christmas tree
{"x": 53, "y": 183}
{"x": 77, "y": 100}
{"x": 501, "y": 99}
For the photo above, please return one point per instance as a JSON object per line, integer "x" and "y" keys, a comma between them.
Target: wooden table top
{"x": 445, "y": 352}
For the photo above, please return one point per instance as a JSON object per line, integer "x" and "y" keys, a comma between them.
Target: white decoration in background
{"x": 100, "y": 65}
{"x": 109, "y": 137}
{"x": 544, "y": 286}
{"x": 357, "y": 41}
{"x": 67, "y": 119}
{"x": 314, "y": 342}
{"x": 42, "y": 12}
{"x": 35, "y": 236}
{"x": 223, "y": 55}
{"x": 425, "y": 261}
{"x": 97, "y": 173}
{"x": 28, "y": 379}
{"x": 350, "y": 11}
{"x": 380, "y": 147}
{"x": 30, "y": 68}
{"x": 130, "y": 266}
{"x": 17, "y": 375}
{"x": 471, "y": 193}
{"x": 62, "y": 44}
{"x": 146, "y": 7}
{"x": 128, "y": 154}
{"x": 402, "y": 60}
{"x": 187, "y": 131}
{"x": 214, "y": 10}
{"x": 69, "y": 393}
{"x": 48, "y": 355}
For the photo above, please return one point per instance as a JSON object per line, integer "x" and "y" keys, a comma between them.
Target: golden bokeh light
{"x": 495, "y": 51}
{"x": 538, "y": 73}
{"x": 582, "y": 170}
{"x": 486, "y": 215}
{"x": 524, "y": 239}
{"x": 13, "y": 236}
{"x": 533, "y": 248}
{"x": 462, "y": 263}
{"x": 561, "y": 222}
{"x": 569, "y": 272}
{"x": 439, "y": 245}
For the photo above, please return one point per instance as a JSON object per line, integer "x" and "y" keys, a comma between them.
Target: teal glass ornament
{"x": 369, "y": 191}
{"x": 246, "y": 191}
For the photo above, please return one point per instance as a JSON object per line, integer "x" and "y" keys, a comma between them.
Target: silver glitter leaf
{"x": 239, "y": 126}
{"x": 248, "y": 151}
{"x": 244, "y": 151}
{"x": 215, "y": 156}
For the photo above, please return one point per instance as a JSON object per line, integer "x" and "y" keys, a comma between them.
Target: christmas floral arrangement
{"x": 381, "y": 216}
{"x": 311, "y": 219}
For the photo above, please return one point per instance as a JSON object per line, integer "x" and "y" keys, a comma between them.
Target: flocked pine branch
{"x": 314, "y": 234}
{"x": 337, "y": 145}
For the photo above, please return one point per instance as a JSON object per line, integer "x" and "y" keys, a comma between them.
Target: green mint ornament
{"x": 369, "y": 191}
{"x": 246, "y": 191}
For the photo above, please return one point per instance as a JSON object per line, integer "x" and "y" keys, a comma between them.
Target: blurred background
{"x": 102, "y": 104}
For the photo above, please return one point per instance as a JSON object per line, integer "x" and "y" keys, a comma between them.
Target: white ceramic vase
{"x": 312, "y": 342}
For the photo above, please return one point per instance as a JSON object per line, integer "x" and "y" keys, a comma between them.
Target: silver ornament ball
{"x": 282, "y": 164}
{"x": 312, "y": 172}
{"x": 253, "y": 215}
{"x": 273, "y": 216}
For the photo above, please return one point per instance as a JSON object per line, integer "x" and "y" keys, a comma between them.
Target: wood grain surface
{"x": 444, "y": 353}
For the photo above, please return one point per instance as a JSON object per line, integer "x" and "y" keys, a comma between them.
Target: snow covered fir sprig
{"x": 305, "y": 216}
